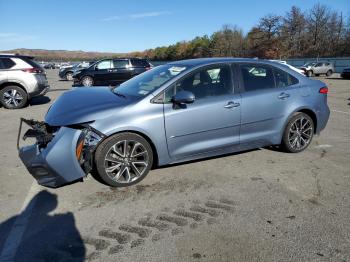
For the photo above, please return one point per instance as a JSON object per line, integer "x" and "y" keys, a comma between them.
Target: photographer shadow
{"x": 41, "y": 236}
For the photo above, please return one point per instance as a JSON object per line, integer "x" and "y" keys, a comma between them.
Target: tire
{"x": 13, "y": 97}
{"x": 329, "y": 73}
{"x": 69, "y": 76}
{"x": 87, "y": 81}
{"x": 298, "y": 133}
{"x": 309, "y": 73}
{"x": 118, "y": 167}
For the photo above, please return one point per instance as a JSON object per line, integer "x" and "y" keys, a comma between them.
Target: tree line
{"x": 316, "y": 32}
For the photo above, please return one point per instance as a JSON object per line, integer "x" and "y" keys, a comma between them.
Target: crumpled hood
{"x": 83, "y": 105}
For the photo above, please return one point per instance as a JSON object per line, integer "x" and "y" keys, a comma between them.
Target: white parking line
{"x": 19, "y": 226}
{"x": 348, "y": 113}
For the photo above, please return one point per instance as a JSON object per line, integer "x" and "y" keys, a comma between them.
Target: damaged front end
{"x": 61, "y": 154}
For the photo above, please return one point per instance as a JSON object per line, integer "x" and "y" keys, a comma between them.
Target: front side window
{"x": 106, "y": 64}
{"x": 121, "y": 63}
{"x": 208, "y": 82}
{"x": 256, "y": 77}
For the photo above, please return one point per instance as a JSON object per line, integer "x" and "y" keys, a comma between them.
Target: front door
{"x": 211, "y": 122}
{"x": 121, "y": 71}
{"x": 102, "y": 72}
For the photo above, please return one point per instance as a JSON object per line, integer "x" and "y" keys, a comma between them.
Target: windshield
{"x": 310, "y": 64}
{"x": 149, "y": 81}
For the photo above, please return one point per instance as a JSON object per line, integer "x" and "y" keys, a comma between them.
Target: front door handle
{"x": 231, "y": 104}
{"x": 283, "y": 95}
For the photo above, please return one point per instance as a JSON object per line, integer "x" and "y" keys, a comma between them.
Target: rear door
{"x": 268, "y": 95}
{"x": 3, "y": 72}
{"x": 212, "y": 122}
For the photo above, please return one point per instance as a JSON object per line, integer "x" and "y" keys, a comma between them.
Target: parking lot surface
{"x": 261, "y": 205}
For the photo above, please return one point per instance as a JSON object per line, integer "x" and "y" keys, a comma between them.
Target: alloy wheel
{"x": 300, "y": 133}
{"x": 126, "y": 161}
{"x": 12, "y": 98}
{"x": 87, "y": 81}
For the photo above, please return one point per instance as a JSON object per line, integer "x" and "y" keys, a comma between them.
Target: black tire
{"x": 309, "y": 73}
{"x": 329, "y": 73}
{"x": 286, "y": 144}
{"x": 19, "y": 97}
{"x": 69, "y": 76}
{"x": 105, "y": 149}
{"x": 87, "y": 81}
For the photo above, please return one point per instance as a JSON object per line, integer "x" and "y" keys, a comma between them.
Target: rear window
{"x": 6, "y": 63}
{"x": 284, "y": 79}
{"x": 139, "y": 63}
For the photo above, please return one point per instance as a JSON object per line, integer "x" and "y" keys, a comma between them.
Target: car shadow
{"x": 37, "y": 235}
{"x": 39, "y": 100}
{"x": 58, "y": 89}
{"x": 336, "y": 78}
{"x": 205, "y": 159}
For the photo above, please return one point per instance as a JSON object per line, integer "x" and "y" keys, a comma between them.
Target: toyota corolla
{"x": 173, "y": 113}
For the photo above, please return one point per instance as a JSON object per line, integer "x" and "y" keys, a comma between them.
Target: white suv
{"x": 21, "y": 78}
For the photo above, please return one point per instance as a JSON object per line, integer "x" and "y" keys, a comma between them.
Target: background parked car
{"x": 290, "y": 66}
{"x": 66, "y": 72}
{"x": 21, "y": 78}
{"x": 318, "y": 68}
{"x": 111, "y": 71}
{"x": 49, "y": 66}
{"x": 345, "y": 73}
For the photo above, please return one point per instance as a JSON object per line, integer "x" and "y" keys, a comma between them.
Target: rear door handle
{"x": 283, "y": 95}
{"x": 231, "y": 104}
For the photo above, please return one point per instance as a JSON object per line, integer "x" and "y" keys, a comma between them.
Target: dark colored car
{"x": 66, "y": 72}
{"x": 49, "y": 66}
{"x": 345, "y": 73}
{"x": 111, "y": 72}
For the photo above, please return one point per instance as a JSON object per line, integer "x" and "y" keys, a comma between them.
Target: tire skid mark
{"x": 185, "y": 213}
{"x": 137, "y": 242}
{"x": 176, "y": 220}
{"x": 116, "y": 249}
{"x": 225, "y": 207}
{"x": 147, "y": 222}
{"x": 120, "y": 237}
{"x": 140, "y": 231}
{"x": 210, "y": 212}
{"x": 99, "y": 244}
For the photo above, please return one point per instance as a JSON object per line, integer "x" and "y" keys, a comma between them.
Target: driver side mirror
{"x": 183, "y": 97}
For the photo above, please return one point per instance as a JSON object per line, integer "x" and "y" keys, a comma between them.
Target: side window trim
{"x": 232, "y": 82}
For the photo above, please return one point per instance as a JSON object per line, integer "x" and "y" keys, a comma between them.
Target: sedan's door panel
{"x": 203, "y": 126}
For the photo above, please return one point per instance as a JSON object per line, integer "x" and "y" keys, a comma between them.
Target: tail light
{"x": 33, "y": 70}
{"x": 323, "y": 90}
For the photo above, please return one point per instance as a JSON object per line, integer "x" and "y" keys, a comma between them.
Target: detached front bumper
{"x": 56, "y": 164}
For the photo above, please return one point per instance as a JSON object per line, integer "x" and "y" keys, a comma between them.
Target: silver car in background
{"x": 21, "y": 79}
{"x": 318, "y": 68}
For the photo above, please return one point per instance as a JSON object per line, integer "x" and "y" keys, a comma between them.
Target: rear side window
{"x": 6, "y": 63}
{"x": 283, "y": 79}
{"x": 256, "y": 77}
{"x": 120, "y": 63}
{"x": 139, "y": 63}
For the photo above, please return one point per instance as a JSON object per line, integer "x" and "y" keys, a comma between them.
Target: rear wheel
{"x": 13, "y": 97}
{"x": 298, "y": 133}
{"x": 329, "y": 73}
{"x": 87, "y": 81}
{"x": 123, "y": 159}
{"x": 69, "y": 76}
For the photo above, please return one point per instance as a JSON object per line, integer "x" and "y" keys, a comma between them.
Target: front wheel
{"x": 298, "y": 133}
{"x": 329, "y": 73}
{"x": 69, "y": 76}
{"x": 87, "y": 81}
{"x": 123, "y": 159}
{"x": 309, "y": 73}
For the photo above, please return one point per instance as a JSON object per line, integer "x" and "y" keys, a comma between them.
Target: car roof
{"x": 204, "y": 61}
{"x": 15, "y": 56}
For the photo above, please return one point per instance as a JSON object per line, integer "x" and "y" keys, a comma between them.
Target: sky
{"x": 130, "y": 25}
